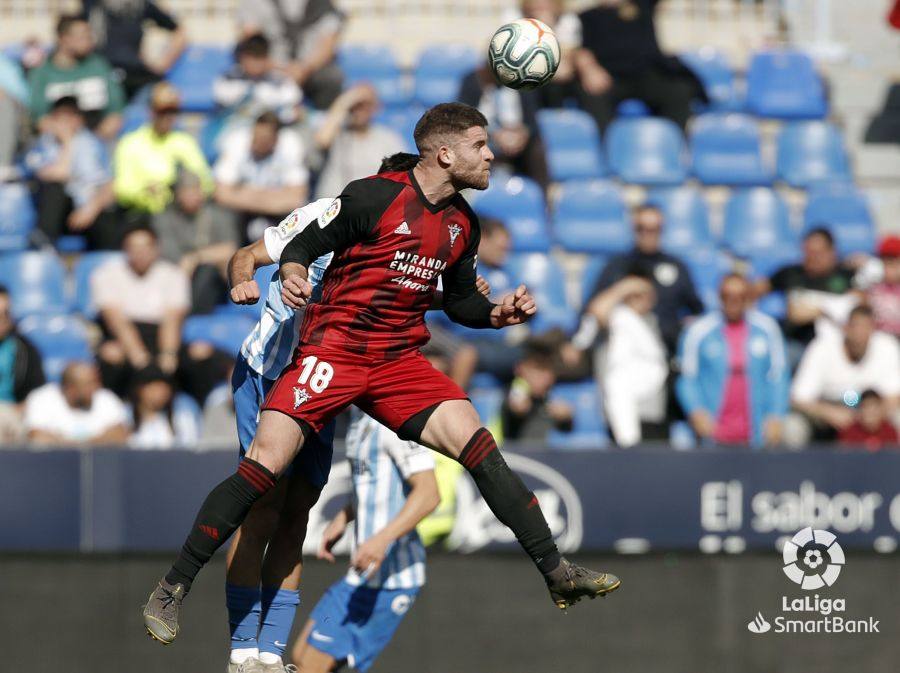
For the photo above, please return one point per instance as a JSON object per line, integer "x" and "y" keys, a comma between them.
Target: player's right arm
{"x": 349, "y": 219}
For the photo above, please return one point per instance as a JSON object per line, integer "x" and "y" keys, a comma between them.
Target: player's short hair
{"x": 269, "y": 118}
{"x": 491, "y": 225}
{"x": 445, "y": 119}
{"x": 66, "y": 21}
{"x": 396, "y": 163}
{"x": 254, "y": 45}
{"x": 861, "y": 311}
{"x": 820, "y": 231}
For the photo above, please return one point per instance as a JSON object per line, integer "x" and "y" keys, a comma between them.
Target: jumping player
{"x": 263, "y": 563}
{"x": 393, "y": 235}
{"x": 394, "y": 488}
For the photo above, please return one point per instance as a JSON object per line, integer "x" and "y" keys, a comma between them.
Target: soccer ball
{"x": 524, "y": 54}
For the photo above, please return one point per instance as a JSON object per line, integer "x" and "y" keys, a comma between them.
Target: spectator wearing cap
{"x": 834, "y": 371}
{"x": 254, "y": 85}
{"x": 677, "y": 297}
{"x": 118, "y": 27}
{"x": 197, "y": 236}
{"x": 75, "y": 194}
{"x": 350, "y": 142}
{"x": 142, "y": 301}
{"x": 21, "y": 372}
{"x": 147, "y": 160}
{"x": 158, "y": 423}
{"x": 880, "y": 280}
{"x": 734, "y": 377}
{"x": 77, "y": 411}
{"x": 872, "y": 429}
{"x": 75, "y": 69}
{"x": 817, "y": 291}
{"x": 304, "y": 37}
{"x": 261, "y": 174}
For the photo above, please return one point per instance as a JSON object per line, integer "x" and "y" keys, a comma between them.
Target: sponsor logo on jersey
{"x": 321, "y": 636}
{"x": 455, "y": 230}
{"x": 300, "y": 396}
{"x": 332, "y": 212}
{"x": 403, "y": 228}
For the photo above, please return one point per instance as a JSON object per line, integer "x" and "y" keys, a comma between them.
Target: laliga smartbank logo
{"x": 813, "y": 559}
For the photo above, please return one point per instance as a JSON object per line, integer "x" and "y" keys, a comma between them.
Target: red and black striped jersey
{"x": 390, "y": 247}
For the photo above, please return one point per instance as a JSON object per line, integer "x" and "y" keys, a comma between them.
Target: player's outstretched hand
{"x": 296, "y": 291}
{"x": 514, "y": 309}
{"x": 369, "y": 555}
{"x": 245, "y": 293}
{"x": 334, "y": 531}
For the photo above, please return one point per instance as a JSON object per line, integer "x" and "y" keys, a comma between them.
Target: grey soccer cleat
{"x": 569, "y": 583}
{"x": 161, "y": 611}
{"x": 279, "y": 668}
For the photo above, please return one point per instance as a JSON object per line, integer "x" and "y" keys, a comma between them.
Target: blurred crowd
{"x": 287, "y": 129}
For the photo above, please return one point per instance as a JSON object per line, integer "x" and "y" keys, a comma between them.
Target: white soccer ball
{"x": 524, "y": 54}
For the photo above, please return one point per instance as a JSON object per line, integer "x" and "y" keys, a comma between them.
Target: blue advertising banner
{"x": 628, "y": 501}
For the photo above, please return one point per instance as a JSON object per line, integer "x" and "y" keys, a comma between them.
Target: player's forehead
{"x": 473, "y": 135}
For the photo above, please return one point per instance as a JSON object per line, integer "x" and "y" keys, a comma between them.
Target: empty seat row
{"x": 725, "y": 149}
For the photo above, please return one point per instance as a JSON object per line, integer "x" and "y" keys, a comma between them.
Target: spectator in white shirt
{"x": 352, "y": 141}
{"x": 158, "y": 422}
{"x": 142, "y": 301}
{"x": 633, "y": 366}
{"x": 261, "y": 174}
{"x": 833, "y": 374}
{"x": 76, "y": 411}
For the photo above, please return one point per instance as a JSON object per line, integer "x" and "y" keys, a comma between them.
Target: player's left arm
{"x": 421, "y": 501}
{"x": 464, "y": 304}
{"x": 481, "y": 284}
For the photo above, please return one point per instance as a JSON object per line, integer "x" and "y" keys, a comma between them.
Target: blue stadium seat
{"x": 224, "y": 331}
{"x": 194, "y": 73}
{"x": 547, "y": 282}
{"x": 440, "y": 71}
{"x": 647, "y": 151}
{"x": 70, "y": 244}
{"x": 785, "y": 85}
{"x": 84, "y": 267}
{"x": 590, "y": 216}
{"x": 572, "y": 144}
{"x": 707, "y": 266}
{"x": 844, "y": 211}
{"x": 812, "y": 152}
{"x": 588, "y": 278}
{"x": 60, "y": 339}
{"x": 17, "y": 216}
{"x": 135, "y": 115}
{"x": 726, "y": 151}
{"x": 376, "y": 65}
{"x": 487, "y": 401}
{"x": 402, "y": 121}
{"x": 757, "y": 223}
{"x": 765, "y": 264}
{"x": 686, "y": 218}
{"x": 519, "y": 202}
{"x": 36, "y": 281}
{"x": 633, "y": 107}
{"x": 712, "y": 68}
{"x": 589, "y": 427}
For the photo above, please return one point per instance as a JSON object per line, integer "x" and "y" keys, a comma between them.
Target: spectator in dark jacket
{"x": 512, "y": 122}
{"x": 677, "y": 297}
{"x": 527, "y": 412}
{"x": 20, "y": 372}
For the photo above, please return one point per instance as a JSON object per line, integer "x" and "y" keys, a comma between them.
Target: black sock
{"x": 222, "y": 512}
{"x": 513, "y": 504}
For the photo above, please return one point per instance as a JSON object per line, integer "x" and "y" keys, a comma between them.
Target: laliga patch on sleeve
{"x": 288, "y": 224}
{"x": 332, "y": 212}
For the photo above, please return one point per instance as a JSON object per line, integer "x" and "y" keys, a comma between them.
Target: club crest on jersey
{"x": 455, "y": 230}
{"x": 300, "y": 396}
{"x": 331, "y": 213}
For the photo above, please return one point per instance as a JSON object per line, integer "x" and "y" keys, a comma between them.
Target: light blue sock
{"x": 244, "y": 608}
{"x": 278, "y": 609}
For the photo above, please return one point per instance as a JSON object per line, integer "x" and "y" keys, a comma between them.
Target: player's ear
{"x": 445, "y": 156}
